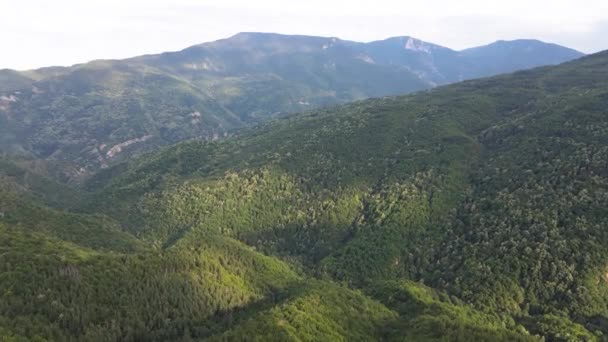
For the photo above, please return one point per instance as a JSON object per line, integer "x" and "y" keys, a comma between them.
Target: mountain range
{"x": 92, "y": 115}
{"x": 468, "y": 212}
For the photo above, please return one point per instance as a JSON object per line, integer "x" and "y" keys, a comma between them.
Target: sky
{"x": 37, "y": 33}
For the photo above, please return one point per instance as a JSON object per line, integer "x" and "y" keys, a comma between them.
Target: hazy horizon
{"x": 279, "y": 33}
{"x": 67, "y": 32}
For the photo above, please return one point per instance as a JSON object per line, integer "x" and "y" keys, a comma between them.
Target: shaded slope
{"x": 31, "y": 202}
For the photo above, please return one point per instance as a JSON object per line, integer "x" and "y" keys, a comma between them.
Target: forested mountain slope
{"x": 491, "y": 190}
{"x": 95, "y": 114}
{"x": 70, "y": 276}
{"x": 468, "y": 212}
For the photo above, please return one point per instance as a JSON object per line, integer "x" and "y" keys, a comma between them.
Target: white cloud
{"x": 37, "y": 33}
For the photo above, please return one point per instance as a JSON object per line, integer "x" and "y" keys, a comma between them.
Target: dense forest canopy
{"x": 475, "y": 211}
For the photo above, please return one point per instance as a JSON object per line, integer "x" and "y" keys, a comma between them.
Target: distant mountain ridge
{"x": 432, "y": 64}
{"x": 96, "y": 113}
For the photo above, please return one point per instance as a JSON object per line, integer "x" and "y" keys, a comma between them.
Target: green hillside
{"x": 57, "y": 290}
{"x": 315, "y": 312}
{"x": 468, "y": 212}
